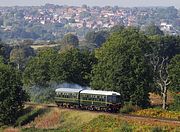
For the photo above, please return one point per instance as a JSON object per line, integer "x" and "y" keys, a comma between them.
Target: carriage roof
{"x": 99, "y": 92}
{"x": 95, "y": 92}
{"x": 68, "y": 90}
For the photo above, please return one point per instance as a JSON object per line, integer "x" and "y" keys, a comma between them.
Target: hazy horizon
{"x": 121, "y": 3}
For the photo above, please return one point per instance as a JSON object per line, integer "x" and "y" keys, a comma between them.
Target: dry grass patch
{"x": 49, "y": 120}
{"x": 73, "y": 118}
{"x": 156, "y": 99}
{"x": 11, "y": 130}
{"x": 158, "y": 113}
{"x": 150, "y": 122}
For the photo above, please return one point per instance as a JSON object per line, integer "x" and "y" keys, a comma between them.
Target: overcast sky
{"x": 121, "y": 3}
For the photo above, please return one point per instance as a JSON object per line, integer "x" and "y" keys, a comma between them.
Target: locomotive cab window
{"x": 113, "y": 98}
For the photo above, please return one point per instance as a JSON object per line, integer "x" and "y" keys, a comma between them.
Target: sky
{"x": 121, "y": 3}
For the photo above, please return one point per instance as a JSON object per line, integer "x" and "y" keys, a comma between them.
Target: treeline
{"x": 125, "y": 60}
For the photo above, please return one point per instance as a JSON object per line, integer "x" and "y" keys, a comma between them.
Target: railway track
{"x": 165, "y": 120}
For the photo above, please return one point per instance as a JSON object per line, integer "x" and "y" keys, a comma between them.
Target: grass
{"x": 128, "y": 108}
{"x": 30, "y": 116}
{"x": 48, "y": 120}
{"x": 42, "y": 119}
{"x": 76, "y": 118}
{"x": 158, "y": 113}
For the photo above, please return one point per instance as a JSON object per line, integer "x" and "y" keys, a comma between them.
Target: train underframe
{"x": 107, "y": 108}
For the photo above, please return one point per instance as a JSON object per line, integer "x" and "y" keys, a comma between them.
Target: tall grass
{"x": 128, "y": 108}
{"x": 49, "y": 120}
{"x": 29, "y": 117}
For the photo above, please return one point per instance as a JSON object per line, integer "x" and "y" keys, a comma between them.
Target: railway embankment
{"x": 49, "y": 118}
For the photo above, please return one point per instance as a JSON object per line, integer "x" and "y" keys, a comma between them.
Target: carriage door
{"x": 114, "y": 98}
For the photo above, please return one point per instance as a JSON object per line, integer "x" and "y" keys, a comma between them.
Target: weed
{"x": 128, "y": 108}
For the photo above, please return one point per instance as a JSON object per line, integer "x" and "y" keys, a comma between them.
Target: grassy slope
{"x": 55, "y": 119}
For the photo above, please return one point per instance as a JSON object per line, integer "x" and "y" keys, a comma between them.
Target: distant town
{"x": 52, "y": 22}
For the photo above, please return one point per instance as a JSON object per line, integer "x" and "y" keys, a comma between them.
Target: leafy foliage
{"x": 12, "y": 96}
{"x": 174, "y": 71}
{"x": 122, "y": 67}
{"x": 71, "y": 40}
{"x": 176, "y": 105}
{"x": 152, "y": 29}
{"x": 128, "y": 107}
{"x": 20, "y": 55}
{"x": 28, "y": 117}
{"x": 97, "y": 37}
{"x": 37, "y": 71}
{"x": 165, "y": 46}
{"x": 163, "y": 49}
{"x": 73, "y": 66}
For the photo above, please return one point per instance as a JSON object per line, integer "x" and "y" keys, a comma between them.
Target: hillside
{"x": 43, "y": 118}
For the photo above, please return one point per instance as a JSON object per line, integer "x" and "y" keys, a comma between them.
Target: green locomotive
{"x": 88, "y": 99}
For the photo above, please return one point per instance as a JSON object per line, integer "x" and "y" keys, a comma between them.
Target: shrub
{"x": 29, "y": 117}
{"x": 157, "y": 113}
{"x": 128, "y": 107}
{"x": 176, "y": 104}
{"x": 125, "y": 127}
{"x": 157, "y": 129}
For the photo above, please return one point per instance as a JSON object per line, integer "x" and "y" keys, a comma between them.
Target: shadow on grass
{"x": 29, "y": 116}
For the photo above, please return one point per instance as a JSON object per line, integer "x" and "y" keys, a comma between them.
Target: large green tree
{"x": 163, "y": 49}
{"x": 152, "y": 29}
{"x": 37, "y": 71}
{"x": 98, "y": 38}
{"x": 70, "y": 39}
{"x": 122, "y": 67}
{"x": 20, "y": 55}
{"x": 73, "y": 66}
{"x": 174, "y": 73}
{"x": 12, "y": 96}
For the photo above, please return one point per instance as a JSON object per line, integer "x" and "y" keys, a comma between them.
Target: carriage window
{"x": 112, "y": 98}
{"x": 118, "y": 99}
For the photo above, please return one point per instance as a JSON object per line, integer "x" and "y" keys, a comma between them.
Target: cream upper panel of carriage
{"x": 99, "y": 92}
{"x": 68, "y": 90}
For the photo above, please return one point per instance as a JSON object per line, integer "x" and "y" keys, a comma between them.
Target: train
{"x": 88, "y": 99}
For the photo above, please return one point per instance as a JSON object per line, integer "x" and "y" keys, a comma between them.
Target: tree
{"x": 117, "y": 28}
{"x": 71, "y": 39}
{"x": 90, "y": 37}
{"x": 4, "y": 51}
{"x": 73, "y": 66}
{"x": 37, "y": 71}
{"x": 20, "y": 55}
{"x": 152, "y": 29}
{"x": 163, "y": 49}
{"x": 174, "y": 73}
{"x": 98, "y": 38}
{"x": 12, "y": 96}
{"x": 122, "y": 67}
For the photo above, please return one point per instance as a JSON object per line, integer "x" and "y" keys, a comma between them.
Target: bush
{"x": 128, "y": 108}
{"x": 157, "y": 113}
{"x": 176, "y": 104}
{"x": 157, "y": 129}
{"x": 25, "y": 119}
{"x": 125, "y": 127}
